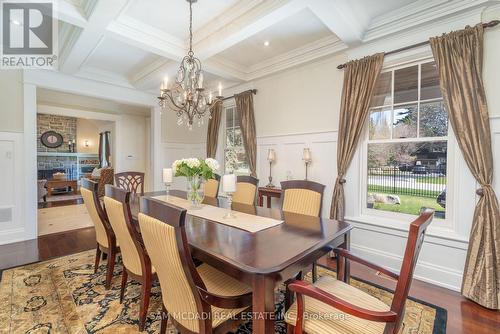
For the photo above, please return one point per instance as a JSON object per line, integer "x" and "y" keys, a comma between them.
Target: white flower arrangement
{"x": 196, "y": 167}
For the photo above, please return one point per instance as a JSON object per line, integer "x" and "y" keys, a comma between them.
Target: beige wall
{"x": 491, "y": 71}
{"x": 87, "y": 129}
{"x": 173, "y": 133}
{"x": 300, "y": 100}
{"x": 11, "y": 100}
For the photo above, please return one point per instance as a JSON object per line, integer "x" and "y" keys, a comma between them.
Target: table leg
{"x": 261, "y": 200}
{"x": 263, "y": 305}
{"x": 269, "y": 202}
{"x": 347, "y": 269}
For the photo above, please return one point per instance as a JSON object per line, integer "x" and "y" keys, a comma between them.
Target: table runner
{"x": 243, "y": 221}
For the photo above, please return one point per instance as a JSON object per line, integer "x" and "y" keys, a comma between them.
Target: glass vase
{"x": 195, "y": 191}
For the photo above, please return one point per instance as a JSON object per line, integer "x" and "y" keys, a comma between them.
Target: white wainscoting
{"x": 289, "y": 150}
{"x": 12, "y": 227}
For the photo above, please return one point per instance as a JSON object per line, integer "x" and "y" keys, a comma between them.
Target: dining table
{"x": 263, "y": 259}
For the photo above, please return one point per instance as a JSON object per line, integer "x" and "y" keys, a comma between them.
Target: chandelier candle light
{"x": 271, "y": 157}
{"x": 187, "y": 96}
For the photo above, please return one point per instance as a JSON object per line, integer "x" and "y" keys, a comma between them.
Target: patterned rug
{"x": 65, "y": 296}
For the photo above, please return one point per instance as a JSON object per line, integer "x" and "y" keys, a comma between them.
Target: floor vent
{"x": 5, "y": 215}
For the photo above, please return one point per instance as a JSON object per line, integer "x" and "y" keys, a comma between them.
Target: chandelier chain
{"x": 190, "y": 27}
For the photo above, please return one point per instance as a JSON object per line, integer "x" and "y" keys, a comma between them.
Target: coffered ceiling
{"x": 135, "y": 43}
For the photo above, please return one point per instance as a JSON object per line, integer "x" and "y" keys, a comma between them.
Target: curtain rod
{"x": 230, "y": 97}
{"x": 485, "y": 25}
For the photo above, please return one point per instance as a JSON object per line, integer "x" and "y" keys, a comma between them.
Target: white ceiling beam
{"x": 71, "y": 84}
{"x": 339, "y": 17}
{"x": 103, "y": 13}
{"x": 258, "y": 18}
{"x": 70, "y": 13}
{"x": 146, "y": 37}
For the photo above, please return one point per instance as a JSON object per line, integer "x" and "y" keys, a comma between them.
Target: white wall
{"x": 11, "y": 100}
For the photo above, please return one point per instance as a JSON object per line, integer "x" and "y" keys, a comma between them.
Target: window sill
{"x": 435, "y": 234}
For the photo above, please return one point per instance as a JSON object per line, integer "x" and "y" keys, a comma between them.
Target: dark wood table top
{"x": 268, "y": 251}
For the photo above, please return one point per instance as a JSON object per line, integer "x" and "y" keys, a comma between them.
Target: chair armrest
{"x": 348, "y": 255}
{"x": 227, "y": 302}
{"x": 307, "y": 289}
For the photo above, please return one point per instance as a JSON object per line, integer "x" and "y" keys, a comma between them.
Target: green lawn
{"x": 409, "y": 204}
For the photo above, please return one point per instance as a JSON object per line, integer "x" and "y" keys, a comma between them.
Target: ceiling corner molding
{"x": 97, "y": 74}
{"x": 323, "y": 47}
{"x": 71, "y": 13}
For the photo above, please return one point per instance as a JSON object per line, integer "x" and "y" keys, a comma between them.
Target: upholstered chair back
{"x": 91, "y": 200}
{"x": 302, "y": 197}
{"x": 246, "y": 190}
{"x": 212, "y": 187}
{"x": 116, "y": 217}
{"x": 166, "y": 244}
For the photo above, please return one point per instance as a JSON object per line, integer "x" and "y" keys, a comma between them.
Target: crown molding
{"x": 401, "y": 39}
{"x": 97, "y": 74}
{"x": 304, "y": 54}
{"x": 418, "y": 14}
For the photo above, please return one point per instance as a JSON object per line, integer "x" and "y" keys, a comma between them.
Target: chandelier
{"x": 187, "y": 96}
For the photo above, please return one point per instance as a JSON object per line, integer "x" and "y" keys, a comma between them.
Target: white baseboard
{"x": 441, "y": 276}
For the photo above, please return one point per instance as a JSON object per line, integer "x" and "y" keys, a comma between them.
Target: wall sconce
{"x": 86, "y": 143}
{"x": 271, "y": 157}
{"x": 306, "y": 156}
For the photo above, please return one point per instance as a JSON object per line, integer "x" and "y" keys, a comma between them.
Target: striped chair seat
{"x": 221, "y": 284}
{"x": 324, "y": 319}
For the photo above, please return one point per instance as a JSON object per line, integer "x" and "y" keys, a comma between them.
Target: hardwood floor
{"x": 464, "y": 316}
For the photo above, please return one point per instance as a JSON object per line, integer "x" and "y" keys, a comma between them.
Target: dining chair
{"x": 305, "y": 198}
{"x": 130, "y": 181}
{"x": 246, "y": 190}
{"x": 208, "y": 296}
{"x": 349, "y": 309}
{"x": 212, "y": 186}
{"x": 136, "y": 262}
{"x": 105, "y": 236}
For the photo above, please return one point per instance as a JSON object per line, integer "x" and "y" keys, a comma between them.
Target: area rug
{"x": 63, "y": 218}
{"x": 65, "y": 296}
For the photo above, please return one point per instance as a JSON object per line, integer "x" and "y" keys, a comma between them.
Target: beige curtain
{"x": 459, "y": 57}
{"x": 213, "y": 129}
{"x": 244, "y": 107}
{"x": 359, "y": 81}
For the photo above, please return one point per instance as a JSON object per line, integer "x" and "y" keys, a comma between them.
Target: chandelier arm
{"x": 170, "y": 97}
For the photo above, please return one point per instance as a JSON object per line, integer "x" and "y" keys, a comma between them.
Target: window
{"x": 235, "y": 159}
{"x": 407, "y": 142}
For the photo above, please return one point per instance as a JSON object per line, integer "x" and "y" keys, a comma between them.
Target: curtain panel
{"x": 244, "y": 107}
{"x": 459, "y": 58}
{"x": 360, "y": 77}
{"x": 213, "y": 129}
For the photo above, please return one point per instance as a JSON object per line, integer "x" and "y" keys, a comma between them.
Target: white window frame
{"x": 395, "y": 219}
{"x": 229, "y": 105}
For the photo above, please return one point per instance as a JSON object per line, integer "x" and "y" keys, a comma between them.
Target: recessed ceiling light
{"x": 266, "y": 43}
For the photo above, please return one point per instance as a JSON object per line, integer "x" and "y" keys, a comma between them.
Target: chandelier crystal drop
{"x": 187, "y": 96}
